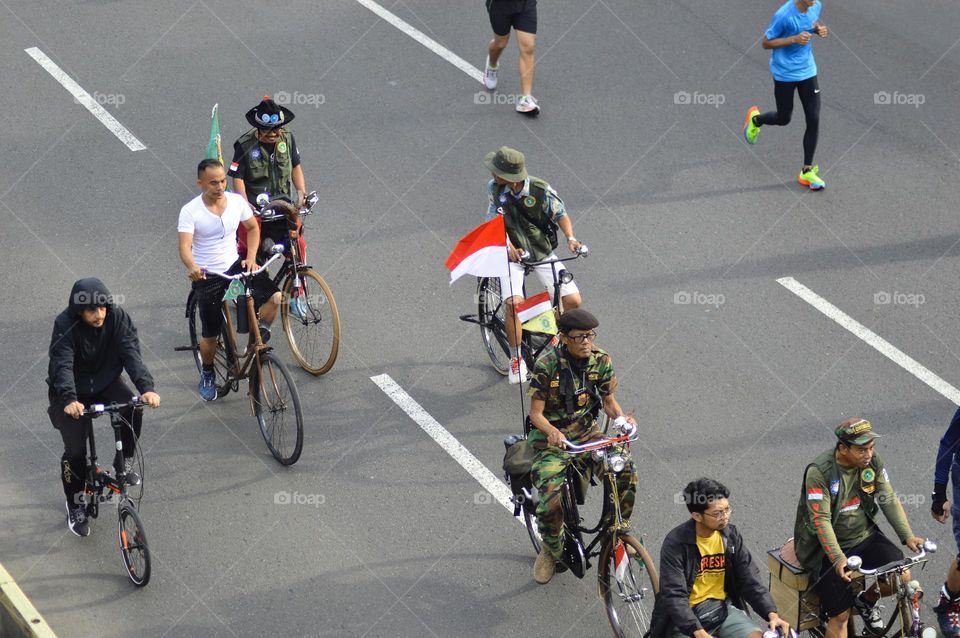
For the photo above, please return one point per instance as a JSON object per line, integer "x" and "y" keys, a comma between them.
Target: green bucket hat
{"x": 507, "y": 163}
{"x": 856, "y": 431}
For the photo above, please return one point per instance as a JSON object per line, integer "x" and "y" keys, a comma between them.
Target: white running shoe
{"x": 528, "y": 105}
{"x": 490, "y": 75}
{"x": 518, "y": 371}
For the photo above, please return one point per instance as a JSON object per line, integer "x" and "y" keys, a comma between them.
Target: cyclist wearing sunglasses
{"x": 266, "y": 160}
{"x": 569, "y": 386}
{"x": 844, "y": 491}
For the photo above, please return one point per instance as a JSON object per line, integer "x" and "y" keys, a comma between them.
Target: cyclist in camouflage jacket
{"x": 569, "y": 386}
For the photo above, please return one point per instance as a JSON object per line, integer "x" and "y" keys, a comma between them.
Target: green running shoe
{"x": 751, "y": 130}
{"x": 811, "y": 178}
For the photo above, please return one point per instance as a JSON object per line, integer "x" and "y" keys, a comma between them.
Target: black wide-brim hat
{"x": 268, "y": 114}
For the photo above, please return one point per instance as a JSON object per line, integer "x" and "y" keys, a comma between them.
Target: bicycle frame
{"x": 611, "y": 518}
{"x": 98, "y": 480}
{"x": 907, "y": 594}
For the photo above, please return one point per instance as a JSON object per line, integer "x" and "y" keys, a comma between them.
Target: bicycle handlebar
{"x": 855, "y": 563}
{"x": 267, "y": 207}
{"x": 582, "y": 251}
{"x": 99, "y": 409}
{"x": 629, "y": 434}
{"x": 277, "y": 251}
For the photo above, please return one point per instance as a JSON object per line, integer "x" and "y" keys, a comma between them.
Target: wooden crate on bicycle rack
{"x": 790, "y": 588}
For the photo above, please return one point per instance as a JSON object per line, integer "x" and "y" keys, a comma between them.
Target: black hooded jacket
{"x": 85, "y": 360}
{"x": 679, "y": 558}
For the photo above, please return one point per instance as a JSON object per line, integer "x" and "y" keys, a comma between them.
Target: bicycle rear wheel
{"x": 491, "y": 313}
{"x": 311, "y": 321}
{"x": 628, "y": 583}
{"x": 221, "y": 359}
{"x": 133, "y": 544}
{"x": 276, "y": 404}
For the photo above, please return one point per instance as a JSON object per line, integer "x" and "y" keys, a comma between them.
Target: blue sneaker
{"x": 948, "y": 616}
{"x": 208, "y": 386}
{"x": 298, "y": 307}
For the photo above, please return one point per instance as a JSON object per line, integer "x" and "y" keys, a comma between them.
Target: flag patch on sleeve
{"x": 815, "y": 494}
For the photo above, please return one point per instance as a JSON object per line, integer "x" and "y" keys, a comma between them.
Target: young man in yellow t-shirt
{"x": 707, "y": 576}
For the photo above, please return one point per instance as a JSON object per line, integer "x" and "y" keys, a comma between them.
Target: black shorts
{"x": 836, "y": 596}
{"x": 209, "y": 293}
{"x": 519, "y": 14}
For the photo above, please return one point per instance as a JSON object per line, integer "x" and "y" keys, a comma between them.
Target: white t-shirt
{"x": 214, "y": 238}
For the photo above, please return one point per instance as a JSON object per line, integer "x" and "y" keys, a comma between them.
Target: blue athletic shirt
{"x": 792, "y": 63}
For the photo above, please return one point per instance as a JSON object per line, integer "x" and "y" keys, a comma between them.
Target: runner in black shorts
{"x": 521, "y": 15}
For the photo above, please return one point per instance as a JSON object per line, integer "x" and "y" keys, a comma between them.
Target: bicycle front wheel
{"x": 491, "y": 313}
{"x": 628, "y": 583}
{"x": 276, "y": 404}
{"x": 311, "y": 321}
{"x": 133, "y": 544}
{"x": 221, "y": 359}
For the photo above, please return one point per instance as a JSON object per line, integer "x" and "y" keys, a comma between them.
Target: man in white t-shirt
{"x": 208, "y": 243}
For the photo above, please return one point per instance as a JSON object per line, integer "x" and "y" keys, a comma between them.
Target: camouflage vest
{"x": 809, "y": 551}
{"x": 266, "y": 175}
{"x": 527, "y": 219}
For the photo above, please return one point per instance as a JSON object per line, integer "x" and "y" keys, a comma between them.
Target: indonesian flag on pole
{"x": 620, "y": 560}
{"x": 534, "y": 307}
{"x": 482, "y": 253}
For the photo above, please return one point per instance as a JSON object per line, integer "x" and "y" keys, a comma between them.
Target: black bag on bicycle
{"x": 517, "y": 465}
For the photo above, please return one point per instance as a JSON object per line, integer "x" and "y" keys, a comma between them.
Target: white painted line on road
{"x": 84, "y": 98}
{"x": 447, "y": 441}
{"x": 883, "y": 346}
{"x": 425, "y": 40}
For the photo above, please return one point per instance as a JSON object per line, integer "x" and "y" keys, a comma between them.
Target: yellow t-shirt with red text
{"x": 710, "y": 571}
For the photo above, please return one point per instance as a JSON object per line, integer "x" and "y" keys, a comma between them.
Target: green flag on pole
{"x": 214, "y": 147}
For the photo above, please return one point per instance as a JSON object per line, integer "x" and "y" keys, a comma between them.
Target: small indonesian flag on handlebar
{"x": 536, "y": 314}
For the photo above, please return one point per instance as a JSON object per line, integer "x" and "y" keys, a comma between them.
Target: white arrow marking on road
{"x": 883, "y": 346}
{"x": 84, "y": 98}
{"x": 447, "y": 441}
{"x": 425, "y": 40}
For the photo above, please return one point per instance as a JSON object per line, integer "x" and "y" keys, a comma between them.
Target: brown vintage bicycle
{"x": 274, "y": 399}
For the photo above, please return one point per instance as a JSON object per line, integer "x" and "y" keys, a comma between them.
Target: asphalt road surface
{"x": 731, "y": 375}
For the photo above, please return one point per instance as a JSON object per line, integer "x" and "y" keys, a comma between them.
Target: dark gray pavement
{"x": 392, "y": 537}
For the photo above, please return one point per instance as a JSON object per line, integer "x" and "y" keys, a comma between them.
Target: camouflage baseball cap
{"x": 855, "y": 431}
{"x": 507, "y": 163}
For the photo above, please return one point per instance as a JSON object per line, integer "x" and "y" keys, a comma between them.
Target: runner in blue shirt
{"x": 948, "y": 463}
{"x": 789, "y": 37}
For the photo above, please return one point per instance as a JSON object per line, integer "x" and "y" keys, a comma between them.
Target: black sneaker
{"x": 870, "y": 613}
{"x": 77, "y": 520}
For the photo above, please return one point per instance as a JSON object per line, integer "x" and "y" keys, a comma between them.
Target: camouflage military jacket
{"x": 560, "y": 386}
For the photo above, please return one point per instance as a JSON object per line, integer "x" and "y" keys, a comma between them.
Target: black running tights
{"x": 809, "y": 92}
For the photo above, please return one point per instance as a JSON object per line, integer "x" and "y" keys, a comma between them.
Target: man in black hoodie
{"x": 707, "y": 574}
{"x": 93, "y": 342}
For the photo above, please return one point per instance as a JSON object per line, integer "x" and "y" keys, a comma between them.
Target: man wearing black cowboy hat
{"x": 266, "y": 160}
{"x": 532, "y": 211}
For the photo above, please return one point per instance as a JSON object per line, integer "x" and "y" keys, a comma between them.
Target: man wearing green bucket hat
{"x": 532, "y": 212}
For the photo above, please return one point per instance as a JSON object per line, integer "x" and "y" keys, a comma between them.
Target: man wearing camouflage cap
{"x": 844, "y": 489}
{"x": 569, "y": 386}
{"x": 532, "y": 211}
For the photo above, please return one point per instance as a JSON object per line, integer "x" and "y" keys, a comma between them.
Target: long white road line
{"x": 444, "y": 439}
{"x": 425, "y": 40}
{"x": 84, "y": 98}
{"x": 883, "y": 346}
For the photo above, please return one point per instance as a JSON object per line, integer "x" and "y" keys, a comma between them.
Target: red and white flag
{"x": 482, "y": 253}
{"x": 534, "y": 307}
{"x": 620, "y": 560}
